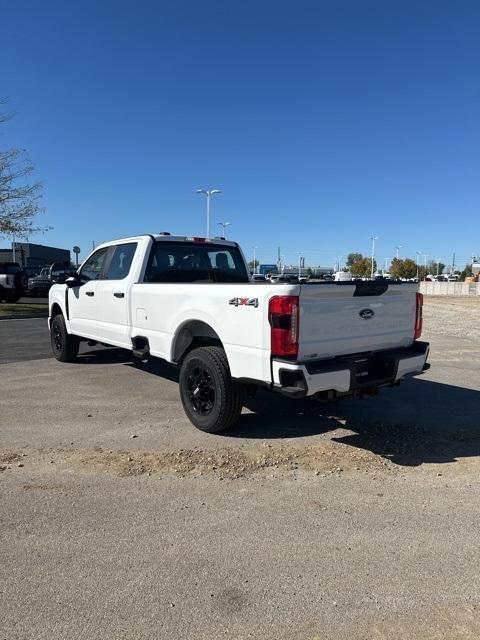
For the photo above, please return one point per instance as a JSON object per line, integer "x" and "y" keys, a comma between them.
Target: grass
{"x": 7, "y": 309}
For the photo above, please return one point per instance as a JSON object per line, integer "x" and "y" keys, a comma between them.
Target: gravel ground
{"x": 452, "y": 316}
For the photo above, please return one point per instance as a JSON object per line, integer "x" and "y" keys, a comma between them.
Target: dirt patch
{"x": 470, "y": 301}
{"x": 327, "y": 458}
{"x": 451, "y": 622}
{"x": 7, "y": 457}
{"x": 43, "y": 487}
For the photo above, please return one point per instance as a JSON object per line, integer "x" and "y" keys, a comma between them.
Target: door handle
{"x": 90, "y": 293}
{"x": 119, "y": 294}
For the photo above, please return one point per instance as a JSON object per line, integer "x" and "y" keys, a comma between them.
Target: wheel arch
{"x": 192, "y": 334}
{"x": 55, "y": 310}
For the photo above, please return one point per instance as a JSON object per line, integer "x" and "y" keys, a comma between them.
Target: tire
{"x": 210, "y": 398}
{"x": 64, "y": 345}
{"x": 12, "y": 297}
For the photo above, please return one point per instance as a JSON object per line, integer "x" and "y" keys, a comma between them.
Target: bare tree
{"x": 19, "y": 200}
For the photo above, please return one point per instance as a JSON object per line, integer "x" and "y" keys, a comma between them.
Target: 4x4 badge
{"x": 248, "y": 302}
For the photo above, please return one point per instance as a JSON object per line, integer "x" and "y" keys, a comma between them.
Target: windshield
{"x": 195, "y": 262}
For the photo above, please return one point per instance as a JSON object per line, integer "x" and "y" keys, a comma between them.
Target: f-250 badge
{"x": 247, "y": 302}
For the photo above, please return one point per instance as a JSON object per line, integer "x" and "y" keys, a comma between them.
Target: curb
{"x": 24, "y": 316}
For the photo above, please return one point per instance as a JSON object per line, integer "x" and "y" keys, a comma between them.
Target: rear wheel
{"x": 64, "y": 345}
{"x": 210, "y": 398}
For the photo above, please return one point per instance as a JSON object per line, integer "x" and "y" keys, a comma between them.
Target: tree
{"x": 19, "y": 200}
{"x": 406, "y": 268}
{"x": 352, "y": 258}
{"x": 362, "y": 267}
{"x": 253, "y": 264}
{"x": 435, "y": 267}
{"x": 467, "y": 272}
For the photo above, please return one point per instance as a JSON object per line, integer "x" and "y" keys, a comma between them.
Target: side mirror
{"x": 72, "y": 281}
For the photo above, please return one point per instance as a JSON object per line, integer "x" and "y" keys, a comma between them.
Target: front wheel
{"x": 210, "y": 398}
{"x": 64, "y": 345}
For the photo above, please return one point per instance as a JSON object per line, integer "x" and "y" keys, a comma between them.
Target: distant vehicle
{"x": 288, "y": 277}
{"x": 273, "y": 277}
{"x": 11, "y": 282}
{"x": 191, "y": 301}
{"x": 283, "y": 277}
{"x": 266, "y": 269}
{"x": 258, "y": 277}
{"x": 342, "y": 276}
{"x": 48, "y": 276}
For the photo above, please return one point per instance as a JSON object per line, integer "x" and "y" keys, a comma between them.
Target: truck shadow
{"x": 420, "y": 422}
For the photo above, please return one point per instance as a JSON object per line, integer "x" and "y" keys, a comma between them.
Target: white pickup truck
{"x": 191, "y": 301}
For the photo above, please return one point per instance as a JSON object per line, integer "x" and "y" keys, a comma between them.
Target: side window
{"x": 121, "y": 261}
{"x": 92, "y": 268}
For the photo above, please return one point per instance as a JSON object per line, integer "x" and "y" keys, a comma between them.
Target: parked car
{"x": 49, "y": 275}
{"x": 191, "y": 302}
{"x": 12, "y": 281}
{"x": 258, "y": 277}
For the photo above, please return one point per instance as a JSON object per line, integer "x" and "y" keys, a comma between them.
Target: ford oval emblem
{"x": 366, "y": 314}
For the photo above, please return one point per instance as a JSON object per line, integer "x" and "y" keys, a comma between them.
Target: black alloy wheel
{"x": 211, "y": 399}
{"x": 64, "y": 345}
{"x": 201, "y": 390}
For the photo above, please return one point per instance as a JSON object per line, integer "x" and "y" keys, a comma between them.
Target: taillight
{"x": 283, "y": 318}
{"x": 418, "y": 316}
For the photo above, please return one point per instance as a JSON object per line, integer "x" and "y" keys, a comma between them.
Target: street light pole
{"x": 397, "y": 248}
{"x": 425, "y": 256}
{"x": 373, "y": 238}
{"x": 224, "y": 226}
{"x": 419, "y": 253}
{"x": 254, "y": 260}
{"x": 209, "y": 194}
{"x": 300, "y": 257}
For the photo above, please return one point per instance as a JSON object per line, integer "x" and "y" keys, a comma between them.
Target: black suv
{"x": 12, "y": 281}
{"x": 48, "y": 276}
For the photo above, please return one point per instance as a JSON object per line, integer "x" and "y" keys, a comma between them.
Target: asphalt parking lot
{"x": 305, "y": 521}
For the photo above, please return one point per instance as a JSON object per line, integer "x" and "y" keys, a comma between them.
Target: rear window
{"x": 195, "y": 262}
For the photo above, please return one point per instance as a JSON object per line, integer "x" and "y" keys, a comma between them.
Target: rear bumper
{"x": 349, "y": 375}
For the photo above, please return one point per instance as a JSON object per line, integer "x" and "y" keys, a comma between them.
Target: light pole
{"x": 397, "y": 249}
{"x": 300, "y": 258}
{"x": 254, "y": 260}
{"x": 419, "y": 253}
{"x": 224, "y": 226}
{"x": 373, "y": 238}
{"x": 209, "y": 194}
{"x": 425, "y": 256}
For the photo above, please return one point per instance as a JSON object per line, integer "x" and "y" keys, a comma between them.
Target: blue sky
{"x": 321, "y": 122}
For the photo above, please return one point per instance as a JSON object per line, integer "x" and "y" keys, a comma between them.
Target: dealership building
{"x": 34, "y": 256}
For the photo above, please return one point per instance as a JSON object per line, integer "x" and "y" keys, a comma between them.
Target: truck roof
{"x": 167, "y": 237}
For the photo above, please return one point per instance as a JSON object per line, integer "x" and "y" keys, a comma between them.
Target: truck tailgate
{"x": 346, "y": 318}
